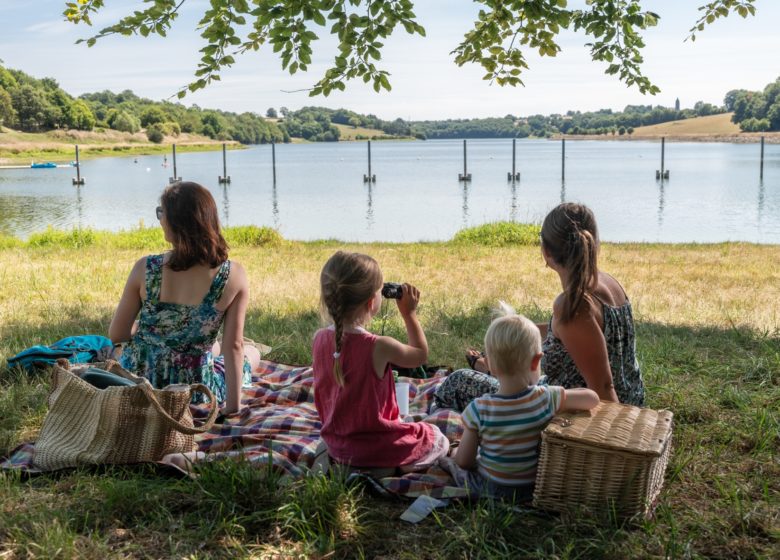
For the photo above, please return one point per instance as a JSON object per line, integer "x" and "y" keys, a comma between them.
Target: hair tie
{"x": 336, "y": 355}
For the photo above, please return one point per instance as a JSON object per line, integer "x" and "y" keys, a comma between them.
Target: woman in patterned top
{"x": 590, "y": 339}
{"x": 184, "y": 297}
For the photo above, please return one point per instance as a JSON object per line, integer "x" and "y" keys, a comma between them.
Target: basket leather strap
{"x": 189, "y": 430}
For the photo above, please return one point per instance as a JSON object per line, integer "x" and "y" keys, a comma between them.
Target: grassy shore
{"x": 712, "y": 128}
{"x": 708, "y": 324}
{"x": 20, "y": 148}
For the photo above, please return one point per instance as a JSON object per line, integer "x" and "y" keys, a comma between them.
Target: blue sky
{"x": 732, "y": 53}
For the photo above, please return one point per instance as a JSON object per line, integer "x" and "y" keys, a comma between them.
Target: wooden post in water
{"x": 224, "y": 179}
{"x": 175, "y": 177}
{"x": 79, "y": 180}
{"x": 369, "y": 178}
{"x": 663, "y": 173}
{"x": 663, "y": 153}
{"x": 761, "y": 172}
{"x": 514, "y": 175}
{"x": 466, "y": 176}
{"x": 273, "y": 158}
{"x": 563, "y": 159}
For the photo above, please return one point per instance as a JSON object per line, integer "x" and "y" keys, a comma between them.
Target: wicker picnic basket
{"x": 122, "y": 424}
{"x": 611, "y": 460}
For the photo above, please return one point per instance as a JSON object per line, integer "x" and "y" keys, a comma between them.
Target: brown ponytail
{"x": 347, "y": 281}
{"x": 570, "y": 236}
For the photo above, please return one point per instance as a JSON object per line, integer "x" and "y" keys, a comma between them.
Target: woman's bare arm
{"x": 233, "y": 338}
{"x": 121, "y": 328}
{"x": 584, "y": 341}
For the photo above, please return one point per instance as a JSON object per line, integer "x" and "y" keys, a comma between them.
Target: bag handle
{"x": 146, "y": 388}
{"x": 189, "y": 430}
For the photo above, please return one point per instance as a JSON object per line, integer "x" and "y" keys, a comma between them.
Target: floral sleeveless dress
{"x": 173, "y": 342}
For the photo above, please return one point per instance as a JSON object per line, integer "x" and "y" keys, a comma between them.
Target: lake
{"x": 713, "y": 194}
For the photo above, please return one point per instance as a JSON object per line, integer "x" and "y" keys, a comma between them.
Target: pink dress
{"x": 360, "y": 422}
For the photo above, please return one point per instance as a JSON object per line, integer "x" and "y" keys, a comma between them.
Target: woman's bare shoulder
{"x": 139, "y": 269}
{"x": 237, "y": 281}
{"x": 610, "y": 291}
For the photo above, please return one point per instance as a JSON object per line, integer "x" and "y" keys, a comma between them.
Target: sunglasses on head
{"x": 159, "y": 211}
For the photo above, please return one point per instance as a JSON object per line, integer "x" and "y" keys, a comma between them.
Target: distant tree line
{"x": 36, "y": 105}
{"x": 755, "y": 111}
{"x": 600, "y": 122}
{"x": 317, "y": 123}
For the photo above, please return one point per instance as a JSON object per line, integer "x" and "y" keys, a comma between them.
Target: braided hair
{"x": 347, "y": 281}
{"x": 570, "y": 236}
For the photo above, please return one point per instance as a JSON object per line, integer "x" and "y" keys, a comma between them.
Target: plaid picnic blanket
{"x": 279, "y": 423}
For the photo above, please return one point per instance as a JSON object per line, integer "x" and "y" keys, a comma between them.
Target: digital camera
{"x": 392, "y": 290}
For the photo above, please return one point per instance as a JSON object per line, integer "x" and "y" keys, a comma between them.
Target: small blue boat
{"x": 47, "y": 165}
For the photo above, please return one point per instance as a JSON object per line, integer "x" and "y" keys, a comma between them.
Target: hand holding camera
{"x": 407, "y": 296}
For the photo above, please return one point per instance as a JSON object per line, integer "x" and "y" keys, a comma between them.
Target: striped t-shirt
{"x": 510, "y": 429}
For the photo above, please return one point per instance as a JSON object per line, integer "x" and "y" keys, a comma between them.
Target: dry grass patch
{"x": 708, "y": 341}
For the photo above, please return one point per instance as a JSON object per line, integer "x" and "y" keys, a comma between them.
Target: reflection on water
{"x": 80, "y": 206}
{"x": 17, "y": 213}
{"x": 465, "y": 203}
{"x": 370, "y": 207}
{"x": 513, "y": 207}
{"x": 225, "y": 205}
{"x": 319, "y": 192}
{"x": 275, "y": 203}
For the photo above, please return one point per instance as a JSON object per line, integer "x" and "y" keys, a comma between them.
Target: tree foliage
{"x": 755, "y": 111}
{"x": 7, "y": 112}
{"x": 39, "y": 105}
{"x": 504, "y": 32}
{"x": 604, "y": 121}
{"x": 79, "y": 116}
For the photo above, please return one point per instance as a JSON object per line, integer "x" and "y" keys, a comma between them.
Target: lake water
{"x": 714, "y": 192}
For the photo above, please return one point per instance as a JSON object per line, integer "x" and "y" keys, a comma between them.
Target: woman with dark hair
{"x": 184, "y": 297}
{"x": 590, "y": 339}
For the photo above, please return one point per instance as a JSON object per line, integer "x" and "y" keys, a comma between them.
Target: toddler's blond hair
{"x": 511, "y": 342}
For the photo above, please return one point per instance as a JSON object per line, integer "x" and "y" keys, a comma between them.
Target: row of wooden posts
{"x": 513, "y": 175}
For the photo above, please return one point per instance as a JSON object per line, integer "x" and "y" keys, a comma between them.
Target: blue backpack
{"x": 76, "y": 349}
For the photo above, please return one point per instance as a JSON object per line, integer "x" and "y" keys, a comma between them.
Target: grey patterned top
{"x": 620, "y": 336}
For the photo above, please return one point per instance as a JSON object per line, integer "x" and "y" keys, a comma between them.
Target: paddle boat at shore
{"x": 41, "y": 165}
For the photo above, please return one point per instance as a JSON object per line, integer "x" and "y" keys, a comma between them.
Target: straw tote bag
{"x": 119, "y": 424}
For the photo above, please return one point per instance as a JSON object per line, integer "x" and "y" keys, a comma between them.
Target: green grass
{"x": 708, "y": 342}
{"x": 500, "y": 234}
{"x": 142, "y": 238}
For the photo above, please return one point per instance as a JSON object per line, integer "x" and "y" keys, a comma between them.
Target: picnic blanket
{"x": 279, "y": 423}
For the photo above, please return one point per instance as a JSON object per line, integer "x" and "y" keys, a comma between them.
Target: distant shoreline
{"x": 20, "y": 148}
{"x": 62, "y": 150}
{"x": 744, "y": 138}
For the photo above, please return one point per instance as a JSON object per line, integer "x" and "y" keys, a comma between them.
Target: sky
{"x": 730, "y": 54}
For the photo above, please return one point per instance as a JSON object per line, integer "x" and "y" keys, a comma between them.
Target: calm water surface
{"x": 714, "y": 193}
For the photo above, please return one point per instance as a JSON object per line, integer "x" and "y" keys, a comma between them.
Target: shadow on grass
{"x": 720, "y": 500}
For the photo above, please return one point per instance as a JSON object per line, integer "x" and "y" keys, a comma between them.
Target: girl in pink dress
{"x": 354, "y": 390}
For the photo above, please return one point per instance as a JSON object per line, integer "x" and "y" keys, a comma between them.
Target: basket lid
{"x": 615, "y": 426}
